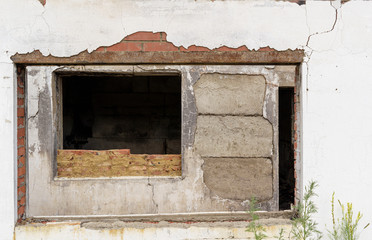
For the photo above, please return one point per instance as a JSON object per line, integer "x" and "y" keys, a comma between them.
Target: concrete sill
{"x": 170, "y": 218}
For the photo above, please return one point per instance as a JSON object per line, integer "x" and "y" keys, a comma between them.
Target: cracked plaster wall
{"x": 335, "y": 73}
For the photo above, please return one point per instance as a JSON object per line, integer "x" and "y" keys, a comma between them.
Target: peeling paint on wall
{"x": 335, "y": 121}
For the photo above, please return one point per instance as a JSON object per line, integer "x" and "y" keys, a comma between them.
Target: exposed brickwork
{"x": 144, "y": 47}
{"x": 157, "y": 42}
{"x": 21, "y": 149}
{"x": 115, "y": 163}
{"x": 43, "y": 2}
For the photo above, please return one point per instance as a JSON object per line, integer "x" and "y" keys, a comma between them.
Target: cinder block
{"x": 239, "y": 178}
{"x": 230, "y": 94}
{"x": 233, "y": 136}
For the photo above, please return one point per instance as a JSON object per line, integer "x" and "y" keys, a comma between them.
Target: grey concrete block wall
{"x": 239, "y": 178}
{"x": 232, "y": 136}
{"x": 227, "y": 157}
{"x": 230, "y": 94}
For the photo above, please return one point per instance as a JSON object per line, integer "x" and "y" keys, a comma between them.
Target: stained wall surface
{"x": 335, "y": 72}
{"x": 218, "y": 151}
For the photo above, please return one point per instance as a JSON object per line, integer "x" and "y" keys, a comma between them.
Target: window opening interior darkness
{"x": 286, "y": 150}
{"x": 140, "y": 113}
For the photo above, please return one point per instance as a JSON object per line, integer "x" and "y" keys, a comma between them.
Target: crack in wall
{"x": 153, "y": 195}
{"x": 308, "y": 55}
{"x": 33, "y": 116}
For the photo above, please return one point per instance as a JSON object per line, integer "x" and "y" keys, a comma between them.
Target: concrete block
{"x": 286, "y": 74}
{"x": 239, "y": 178}
{"x": 233, "y": 136}
{"x": 230, "y": 94}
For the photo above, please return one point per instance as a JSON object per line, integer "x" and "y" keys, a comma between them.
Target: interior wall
{"x": 140, "y": 113}
{"x": 335, "y": 74}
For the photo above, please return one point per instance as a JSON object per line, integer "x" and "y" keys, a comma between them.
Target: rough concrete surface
{"x": 148, "y": 231}
{"x": 287, "y": 75}
{"x": 233, "y": 136}
{"x": 334, "y": 71}
{"x": 239, "y": 178}
{"x": 230, "y": 94}
{"x": 51, "y": 196}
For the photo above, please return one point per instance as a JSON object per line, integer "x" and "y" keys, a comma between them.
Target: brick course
{"x": 157, "y": 42}
{"x": 21, "y": 149}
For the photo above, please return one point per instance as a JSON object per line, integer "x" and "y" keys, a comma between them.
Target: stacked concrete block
{"x": 232, "y": 136}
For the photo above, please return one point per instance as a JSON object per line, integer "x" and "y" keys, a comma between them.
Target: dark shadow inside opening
{"x": 140, "y": 113}
{"x": 286, "y": 149}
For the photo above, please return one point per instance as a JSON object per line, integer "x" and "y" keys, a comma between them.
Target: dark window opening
{"x": 140, "y": 113}
{"x": 286, "y": 150}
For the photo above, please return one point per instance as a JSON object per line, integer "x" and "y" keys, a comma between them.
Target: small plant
{"x": 281, "y": 234}
{"x": 304, "y": 227}
{"x": 345, "y": 228}
{"x": 254, "y": 227}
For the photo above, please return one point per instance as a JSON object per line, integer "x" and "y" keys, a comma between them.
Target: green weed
{"x": 345, "y": 228}
{"x": 254, "y": 227}
{"x": 304, "y": 227}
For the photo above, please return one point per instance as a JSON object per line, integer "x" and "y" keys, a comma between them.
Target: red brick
{"x": 21, "y": 211}
{"x": 242, "y": 49}
{"x": 101, "y": 49}
{"x": 146, "y": 36}
{"x": 20, "y": 82}
{"x": 295, "y": 98}
{"x": 20, "y": 90}
{"x": 21, "y": 180}
{"x": 226, "y": 49}
{"x": 22, "y": 160}
{"x": 266, "y": 49}
{"x": 159, "y": 47}
{"x": 20, "y": 121}
{"x": 21, "y": 132}
{"x": 21, "y": 151}
{"x": 21, "y": 171}
{"x": 125, "y": 46}
{"x": 20, "y": 101}
{"x": 22, "y": 201}
{"x": 21, "y": 141}
{"x": 21, "y": 189}
{"x": 194, "y": 48}
{"x": 20, "y": 112}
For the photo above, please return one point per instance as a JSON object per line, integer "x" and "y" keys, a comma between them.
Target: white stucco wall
{"x": 337, "y": 136}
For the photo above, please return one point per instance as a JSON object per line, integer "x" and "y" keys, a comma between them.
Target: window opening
{"x": 120, "y": 126}
{"x": 140, "y": 113}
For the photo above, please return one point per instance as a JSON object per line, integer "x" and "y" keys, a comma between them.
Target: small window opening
{"x": 286, "y": 150}
{"x": 140, "y": 113}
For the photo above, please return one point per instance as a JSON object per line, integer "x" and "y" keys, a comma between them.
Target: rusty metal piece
{"x": 140, "y": 57}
